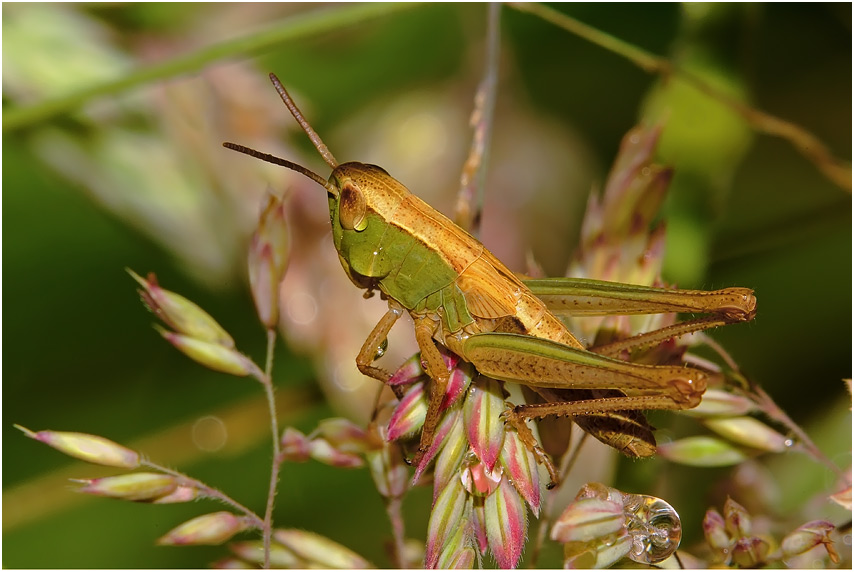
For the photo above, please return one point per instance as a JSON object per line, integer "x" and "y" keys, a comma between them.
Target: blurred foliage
{"x": 137, "y": 178}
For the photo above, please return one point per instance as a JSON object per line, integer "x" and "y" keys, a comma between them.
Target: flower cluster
{"x": 734, "y": 541}
{"x": 484, "y": 475}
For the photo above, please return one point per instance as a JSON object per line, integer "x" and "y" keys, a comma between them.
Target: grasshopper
{"x": 461, "y": 296}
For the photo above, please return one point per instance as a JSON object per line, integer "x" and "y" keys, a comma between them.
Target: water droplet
{"x": 654, "y": 526}
{"x": 381, "y": 349}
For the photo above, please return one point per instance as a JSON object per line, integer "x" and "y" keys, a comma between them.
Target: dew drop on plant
{"x": 654, "y": 526}
{"x": 381, "y": 349}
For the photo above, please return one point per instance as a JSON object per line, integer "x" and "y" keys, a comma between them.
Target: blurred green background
{"x": 137, "y": 179}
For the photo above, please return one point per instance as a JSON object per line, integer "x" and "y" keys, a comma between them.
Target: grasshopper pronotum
{"x": 461, "y": 296}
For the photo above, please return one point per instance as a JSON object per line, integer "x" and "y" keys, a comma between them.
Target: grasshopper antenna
{"x": 292, "y": 107}
{"x": 284, "y": 163}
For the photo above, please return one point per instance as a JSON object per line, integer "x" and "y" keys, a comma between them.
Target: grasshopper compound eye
{"x": 352, "y": 207}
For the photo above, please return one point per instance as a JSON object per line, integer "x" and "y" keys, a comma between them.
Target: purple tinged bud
{"x": 89, "y": 448}
{"x": 295, "y": 446}
{"x": 808, "y": 536}
{"x": 588, "y": 519}
{"x": 750, "y": 552}
{"x": 318, "y": 551}
{"x": 450, "y": 419}
{"x": 457, "y": 550}
{"x": 132, "y": 487}
{"x": 268, "y": 260}
{"x": 506, "y": 524}
{"x": 737, "y": 519}
{"x": 714, "y": 528}
{"x": 482, "y": 411}
{"x": 451, "y": 457}
{"x": 521, "y": 467}
{"x": 208, "y": 529}
{"x": 458, "y": 383}
{"x": 749, "y": 432}
{"x": 180, "y": 494}
{"x": 462, "y": 559}
{"x": 213, "y": 356}
{"x": 264, "y": 282}
{"x": 388, "y": 470}
{"x": 346, "y": 436}
{"x": 181, "y": 314}
{"x": 322, "y": 451}
{"x": 450, "y": 512}
{"x": 702, "y": 451}
{"x": 409, "y": 372}
{"x": 717, "y": 402}
{"x": 409, "y": 414}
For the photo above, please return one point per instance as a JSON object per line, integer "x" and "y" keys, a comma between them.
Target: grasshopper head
{"x": 362, "y": 199}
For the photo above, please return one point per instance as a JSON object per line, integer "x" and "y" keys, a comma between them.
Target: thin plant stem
{"x": 473, "y": 178}
{"x": 291, "y": 28}
{"x": 276, "y": 462}
{"x": 393, "y": 506}
{"x": 772, "y": 410}
{"x": 207, "y": 491}
{"x": 565, "y": 466}
{"x": 805, "y": 142}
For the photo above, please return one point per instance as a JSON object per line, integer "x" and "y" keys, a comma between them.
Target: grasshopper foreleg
{"x": 439, "y": 374}
{"x": 368, "y": 353}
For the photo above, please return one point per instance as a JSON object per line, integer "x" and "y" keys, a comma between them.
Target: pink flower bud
{"x": 808, "y": 536}
{"x": 588, "y": 519}
{"x": 717, "y": 402}
{"x": 451, "y": 419}
{"x": 737, "y": 519}
{"x": 214, "y": 356}
{"x": 521, "y": 467}
{"x": 482, "y": 410}
{"x": 388, "y": 470}
{"x": 714, "y": 528}
{"x": 268, "y": 260}
{"x": 458, "y": 549}
{"x": 180, "y": 494}
{"x": 448, "y": 515}
{"x": 346, "y": 436}
{"x": 89, "y": 448}
{"x": 458, "y": 382}
{"x": 750, "y": 552}
{"x": 409, "y": 414}
{"x": 409, "y": 372}
{"x": 213, "y": 528}
{"x": 179, "y": 313}
{"x": 318, "y": 551}
{"x": 323, "y": 451}
{"x": 295, "y": 446}
{"x": 506, "y": 524}
{"x": 454, "y": 449}
{"x": 132, "y": 487}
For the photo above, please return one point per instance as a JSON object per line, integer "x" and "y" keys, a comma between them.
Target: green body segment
{"x": 385, "y": 253}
